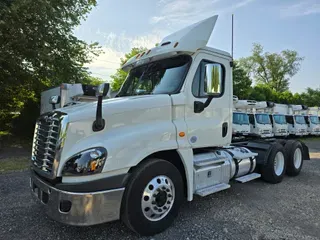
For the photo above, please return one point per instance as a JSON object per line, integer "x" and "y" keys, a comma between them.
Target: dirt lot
{"x": 255, "y": 210}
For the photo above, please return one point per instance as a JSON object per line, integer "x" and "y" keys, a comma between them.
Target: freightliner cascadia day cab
{"x": 164, "y": 138}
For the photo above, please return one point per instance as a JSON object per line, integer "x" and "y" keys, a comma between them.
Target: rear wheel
{"x": 274, "y": 171}
{"x": 152, "y": 197}
{"x": 295, "y": 160}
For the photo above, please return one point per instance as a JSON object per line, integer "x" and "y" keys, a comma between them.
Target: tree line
{"x": 38, "y": 50}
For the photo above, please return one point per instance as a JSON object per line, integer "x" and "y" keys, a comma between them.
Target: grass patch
{"x": 14, "y": 164}
{"x": 309, "y": 139}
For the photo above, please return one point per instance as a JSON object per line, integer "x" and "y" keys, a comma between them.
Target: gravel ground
{"x": 254, "y": 210}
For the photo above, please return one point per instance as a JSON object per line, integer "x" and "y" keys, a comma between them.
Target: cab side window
{"x": 199, "y": 81}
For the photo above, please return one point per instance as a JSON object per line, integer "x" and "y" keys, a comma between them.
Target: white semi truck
{"x": 165, "y": 137}
{"x": 296, "y": 122}
{"x": 278, "y": 120}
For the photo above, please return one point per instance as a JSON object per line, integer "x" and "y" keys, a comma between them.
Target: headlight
{"x": 87, "y": 162}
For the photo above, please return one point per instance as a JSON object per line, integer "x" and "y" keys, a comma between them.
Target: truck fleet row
{"x": 165, "y": 137}
{"x": 268, "y": 119}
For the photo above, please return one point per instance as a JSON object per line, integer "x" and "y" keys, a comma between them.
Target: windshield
{"x": 314, "y": 119}
{"x": 300, "y": 119}
{"x": 263, "y": 118}
{"x": 160, "y": 77}
{"x": 279, "y": 119}
{"x": 240, "y": 118}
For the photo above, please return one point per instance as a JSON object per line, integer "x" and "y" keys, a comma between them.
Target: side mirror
{"x": 213, "y": 79}
{"x": 102, "y": 90}
{"x": 212, "y": 85}
{"x": 54, "y": 100}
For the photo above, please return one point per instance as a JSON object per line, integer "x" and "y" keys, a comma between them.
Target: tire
{"x": 132, "y": 212}
{"x": 272, "y": 172}
{"x": 294, "y": 154}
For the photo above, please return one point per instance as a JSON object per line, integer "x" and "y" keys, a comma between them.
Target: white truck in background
{"x": 278, "y": 120}
{"x": 165, "y": 137}
{"x": 259, "y": 119}
{"x": 312, "y": 121}
{"x": 68, "y": 94}
{"x": 295, "y": 119}
{"x": 240, "y": 118}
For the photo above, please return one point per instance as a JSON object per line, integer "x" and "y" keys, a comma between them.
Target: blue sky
{"x": 277, "y": 25}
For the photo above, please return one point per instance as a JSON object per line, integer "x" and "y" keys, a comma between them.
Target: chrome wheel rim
{"x": 158, "y": 198}
{"x": 279, "y": 163}
{"x": 297, "y": 158}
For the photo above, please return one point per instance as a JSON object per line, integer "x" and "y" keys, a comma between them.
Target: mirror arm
{"x": 99, "y": 123}
{"x": 208, "y": 101}
{"x": 200, "y": 106}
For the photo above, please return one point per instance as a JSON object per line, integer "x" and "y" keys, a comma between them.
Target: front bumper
{"x": 281, "y": 134}
{"x": 77, "y": 208}
{"x": 266, "y": 135}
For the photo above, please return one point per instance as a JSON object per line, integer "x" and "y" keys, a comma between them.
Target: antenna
{"x": 232, "y": 37}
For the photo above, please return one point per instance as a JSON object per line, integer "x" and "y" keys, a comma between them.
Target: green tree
{"x": 241, "y": 82}
{"x": 119, "y": 77}
{"x": 38, "y": 49}
{"x": 311, "y": 97}
{"x": 273, "y": 69}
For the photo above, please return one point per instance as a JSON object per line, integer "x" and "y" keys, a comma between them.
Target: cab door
{"x": 210, "y": 78}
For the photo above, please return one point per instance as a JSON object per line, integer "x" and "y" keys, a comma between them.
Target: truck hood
{"x": 112, "y": 106}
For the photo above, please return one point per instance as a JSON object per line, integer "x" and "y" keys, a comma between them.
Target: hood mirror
{"x": 102, "y": 90}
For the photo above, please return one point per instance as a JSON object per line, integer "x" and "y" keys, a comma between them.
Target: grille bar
{"x": 48, "y": 142}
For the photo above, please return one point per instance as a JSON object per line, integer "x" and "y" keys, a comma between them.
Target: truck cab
{"x": 297, "y": 125}
{"x": 240, "y": 124}
{"x": 260, "y": 124}
{"x": 279, "y": 125}
{"x": 313, "y": 125}
{"x": 165, "y": 137}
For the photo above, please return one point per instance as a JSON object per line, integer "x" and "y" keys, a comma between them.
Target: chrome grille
{"x": 47, "y": 142}
{"x": 266, "y": 131}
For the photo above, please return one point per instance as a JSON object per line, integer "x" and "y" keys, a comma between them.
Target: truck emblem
{"x": 193, "y": 139}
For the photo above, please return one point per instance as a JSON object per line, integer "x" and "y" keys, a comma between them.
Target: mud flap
{"x": 305, "y": 153}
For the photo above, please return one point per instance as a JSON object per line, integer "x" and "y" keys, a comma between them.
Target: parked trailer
{"x": 136, "y": 158}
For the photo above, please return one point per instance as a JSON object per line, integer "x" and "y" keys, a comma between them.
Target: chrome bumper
{"x": 281, "y": 134}
{"x": 80, "y": 209}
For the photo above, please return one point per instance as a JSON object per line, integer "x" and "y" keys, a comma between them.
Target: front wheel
{"x": 152, "y": 197}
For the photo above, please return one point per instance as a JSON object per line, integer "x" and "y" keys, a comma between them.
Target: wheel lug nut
{"x": 153, "y": 202}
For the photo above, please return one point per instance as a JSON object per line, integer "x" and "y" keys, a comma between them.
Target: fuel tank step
{"x": 249, "y": 177}
{"x": 212, "y": 189}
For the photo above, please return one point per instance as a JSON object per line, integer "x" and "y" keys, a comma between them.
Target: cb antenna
{"x": 232, "y": 36}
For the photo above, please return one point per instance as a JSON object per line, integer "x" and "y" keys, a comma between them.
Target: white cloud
{"x": 187, "y": 11}
{"x": 114, "y": 47}
{"x": 303, "y": 8}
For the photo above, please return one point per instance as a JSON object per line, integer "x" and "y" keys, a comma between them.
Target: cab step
{"x": 249, "y": 177}
{"x": 212, "y": 189}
